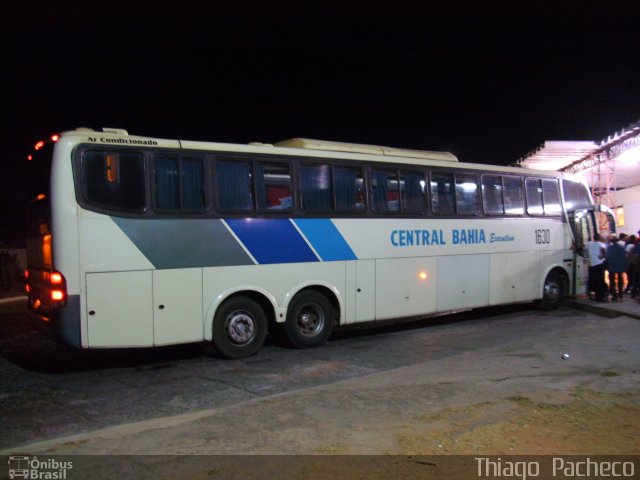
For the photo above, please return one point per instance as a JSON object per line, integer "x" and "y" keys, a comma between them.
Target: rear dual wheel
{"x": 309, "y": 320}
{"x": 239, "y": 328}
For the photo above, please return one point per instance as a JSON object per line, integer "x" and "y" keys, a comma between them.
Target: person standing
{"x": 597, "y": 251}
{"x": 631, "y": 268}
{"x": 616, "y": 257}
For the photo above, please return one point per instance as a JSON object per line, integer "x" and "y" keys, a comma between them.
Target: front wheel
{"x": 309, "y": 320}
{"x": 552, "y": 292}
{"x": 239, "y": 328}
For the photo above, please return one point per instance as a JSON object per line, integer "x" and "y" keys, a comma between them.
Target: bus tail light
{"x": 58, "y": 286}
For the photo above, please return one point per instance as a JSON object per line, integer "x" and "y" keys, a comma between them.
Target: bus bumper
{"x": 64, "y": 324}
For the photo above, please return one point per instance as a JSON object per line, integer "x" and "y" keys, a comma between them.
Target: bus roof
{"x": 311, "y": 144}
{"x": 301, "y": 147}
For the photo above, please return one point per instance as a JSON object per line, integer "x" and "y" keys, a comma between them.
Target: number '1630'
{"x": 543, "y": 236}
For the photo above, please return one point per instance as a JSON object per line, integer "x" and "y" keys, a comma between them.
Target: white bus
{"x": 140, "y": 242}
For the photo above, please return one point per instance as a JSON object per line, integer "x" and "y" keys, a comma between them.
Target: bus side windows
{"x": 534, "y": 196}
{"x": 179, "y": 184}
{"x": 551, "y": 196}
{"x": 331, "y": 188}
{"x": 114, "y": 180}
{"x": 466, "y": 193}
{"x": 386, "y": 197}
{"x": 502, "y": 195}
{"x": 543, "y": 197}
{"x": 513, "y": 196}
{"x": 349, "y": 187}
{"x": 442, "y": 193}
{"x": 273, "y": 186}
{"x": 398, "y": 191}
{"x": 492, "y": 194}
{"x": 234, "y": 185}
{"x": 412, "y": 186}
{"x": 316, "y": 187}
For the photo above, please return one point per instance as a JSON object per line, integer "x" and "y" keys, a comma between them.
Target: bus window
{"x": 179, "y": 184}
{"x": 123, "y": 192}
{"x": 412, "y": 191}
{"x": 513, "y": 196}
{"x": 466, "y": 193}
{"x": 315, "y": 183}
{"x": 167, "y": 186}
{"x": 386, "y": 196}
{"x": 492, "y": 194}
{"x": 192, "y": 187}
{"x": 234, "y": 185}
{"x": 534, "y": 196}
{"x": 551, "y": 197}
{"x": 442, "y": 193}
{"x": 273, "y": 184}
{"x": 349, "y": 186}
{"x": 576, "y": 195}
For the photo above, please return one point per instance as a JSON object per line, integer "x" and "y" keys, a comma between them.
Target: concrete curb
{"x": 13, "y": 299}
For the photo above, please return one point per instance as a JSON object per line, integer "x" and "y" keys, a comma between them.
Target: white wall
{"x": 629, "y": 199}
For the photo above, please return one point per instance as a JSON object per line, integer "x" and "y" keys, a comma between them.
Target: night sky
{"x": 488, "y": 81}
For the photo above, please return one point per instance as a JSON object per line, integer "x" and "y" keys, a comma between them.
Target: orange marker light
{"x": 39, "y": 145}
{"x": 55, "y": 138}
{"x": 422, "y": 275}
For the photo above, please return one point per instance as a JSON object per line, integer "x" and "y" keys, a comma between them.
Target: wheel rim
{"x": 552, "y": 290}
{"x": 240, "y": 327}
{"x": 310, "y": 320}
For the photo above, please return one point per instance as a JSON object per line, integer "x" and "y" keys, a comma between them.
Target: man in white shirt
{"x": 597, "y": 250}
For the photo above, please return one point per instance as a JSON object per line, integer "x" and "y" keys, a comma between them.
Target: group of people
{"x": 620, "y": 256}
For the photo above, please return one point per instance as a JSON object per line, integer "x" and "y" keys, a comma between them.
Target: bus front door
{"x": 586, "y": 223}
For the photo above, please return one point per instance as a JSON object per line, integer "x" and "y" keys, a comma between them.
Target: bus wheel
{"x": 309, "y": 320}
{"x": 552, "y": 292}
{"x": 239, "y": 328}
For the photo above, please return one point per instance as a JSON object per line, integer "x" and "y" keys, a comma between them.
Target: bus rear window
{"x": 114, "y": 180}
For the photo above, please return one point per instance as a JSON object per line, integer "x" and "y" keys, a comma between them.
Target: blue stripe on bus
{"x": 272, "y": 240}
{"x": 325, "y": 238}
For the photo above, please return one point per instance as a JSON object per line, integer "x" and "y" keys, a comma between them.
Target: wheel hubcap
{"x": 240, "y": 327}
{"x": 552, "y": 290}
{"x": 310, "y": 320}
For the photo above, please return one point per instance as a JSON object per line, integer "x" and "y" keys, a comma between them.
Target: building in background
{"x": 610, "y": 168}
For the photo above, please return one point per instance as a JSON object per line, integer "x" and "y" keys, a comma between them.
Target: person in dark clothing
{"x": 631, "y": 268}
{"x": 616, "y": 264}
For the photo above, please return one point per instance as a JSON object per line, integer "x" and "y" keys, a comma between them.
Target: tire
{"x": 309, "y": 320}
{"x": 239, "y": 328}
{"x": 552, "y": 292}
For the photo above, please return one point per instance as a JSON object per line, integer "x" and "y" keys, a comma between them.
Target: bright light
{"x": 55, "y": 138}
{"x": 56, "y": 278}
{"x": 57, "y": 295}
{"x": 422, "y": 275}
{"x": 39, "y": 145}
{"x": 29, "y": 157}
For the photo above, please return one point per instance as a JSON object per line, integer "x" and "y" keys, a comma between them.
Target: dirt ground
{"x": 595, "y": 423}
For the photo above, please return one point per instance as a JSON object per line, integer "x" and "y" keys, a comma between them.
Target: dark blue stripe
{"x": 272, "y": 240}
{"x": 325, "y": 238}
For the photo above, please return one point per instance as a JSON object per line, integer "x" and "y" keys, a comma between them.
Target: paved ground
{"x": 420, "y": 388}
